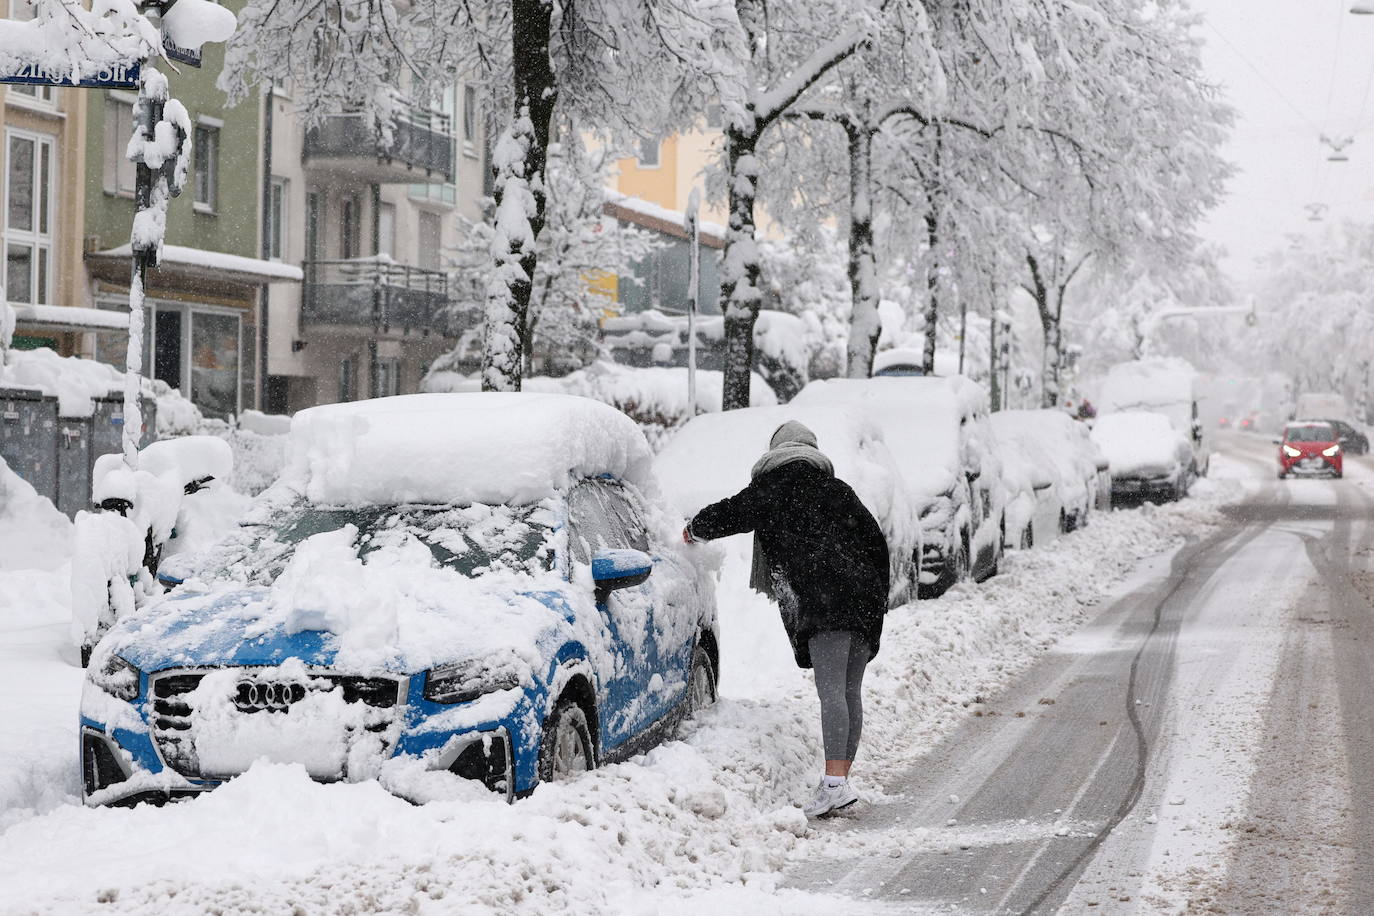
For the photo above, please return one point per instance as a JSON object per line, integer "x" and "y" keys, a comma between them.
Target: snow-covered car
{"x": 1066, "y": 471}
{"x": 939, "y": 433}
{"x": 1149, "y": 457}
{"x": 1168, "y": 386}
{"x": 710, "y": 458}
{"x": 484, "y": 584}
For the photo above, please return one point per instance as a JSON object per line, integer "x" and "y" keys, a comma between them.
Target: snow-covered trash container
{"x": 28, "y": 437}
{"x": 455, "y": 594}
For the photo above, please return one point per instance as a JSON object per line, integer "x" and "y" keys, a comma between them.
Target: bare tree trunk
{"x": 740, "y": 275}
{"x": 519, "y": 165}
{"x": 932, "y": 312}
{"x": 1049, "y": 323}
{"x": 864, "y": 324}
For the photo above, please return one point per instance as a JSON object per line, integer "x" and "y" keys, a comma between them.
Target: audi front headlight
{"x": 465, "y": 681}
{"x": 1333, "y": 451}
{"x": 117, "y": 677}
{"x": 1290, "y": 451}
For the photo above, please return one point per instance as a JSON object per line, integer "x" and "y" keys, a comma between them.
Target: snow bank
{"x": 460, "y": 448}
{"x": 1140, "y": 443}
{"x": 33, "y": 534}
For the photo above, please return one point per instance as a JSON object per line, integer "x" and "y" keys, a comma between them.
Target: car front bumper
{"x": 1312, "y": 465}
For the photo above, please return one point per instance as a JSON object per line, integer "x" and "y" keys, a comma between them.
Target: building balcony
{"x": 377, "y": 295}
{"x": 421, "y": 149}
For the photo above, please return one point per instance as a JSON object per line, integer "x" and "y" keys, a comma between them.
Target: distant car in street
{"x": 1067, "y": 474}
{"x": 1150, "y": 459}
{"x": 1310, "y": 448}
{"x": 1351, "y": 439}
{"x": 483, "y": 584}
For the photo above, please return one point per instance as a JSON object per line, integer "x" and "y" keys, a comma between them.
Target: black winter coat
{"x": 825, "y": 551}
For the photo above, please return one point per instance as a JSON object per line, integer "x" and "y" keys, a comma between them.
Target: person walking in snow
{"x": 821, "y": 555}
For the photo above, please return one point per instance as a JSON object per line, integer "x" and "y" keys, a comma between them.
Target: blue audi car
{"x": 486, "y": 584}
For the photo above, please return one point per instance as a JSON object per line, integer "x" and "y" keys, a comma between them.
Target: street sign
{"x": 179, "y": 54}
{"x": 115, "y": 76}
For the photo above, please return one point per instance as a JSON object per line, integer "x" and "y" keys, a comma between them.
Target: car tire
{"x": 566, "y": 749}
{"x": 701, "y": 682}
{"x": 1028, "y": 537}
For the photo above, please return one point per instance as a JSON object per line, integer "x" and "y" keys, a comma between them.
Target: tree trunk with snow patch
{"x": 739, "y": 287}
{"x": 864, "y": 324}
{"x": 519, "y": 162}
{"x": 932, "y": 312}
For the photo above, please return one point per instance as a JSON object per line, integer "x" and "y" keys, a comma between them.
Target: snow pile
{"x": 1140, "y": 443}
{"x": 264, "y": 424}
{"x": 460, "y": 448}
{"x": 75, "y": 382}
{"x": 33, "y": 534}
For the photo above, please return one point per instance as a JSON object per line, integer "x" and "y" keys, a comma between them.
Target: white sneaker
{"x": 830, "y": 798}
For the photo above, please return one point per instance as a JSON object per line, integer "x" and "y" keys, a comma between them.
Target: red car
{"x": 1309, "y": 449}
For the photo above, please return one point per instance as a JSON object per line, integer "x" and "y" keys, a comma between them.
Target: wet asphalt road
{"x": 1204, "y": 744}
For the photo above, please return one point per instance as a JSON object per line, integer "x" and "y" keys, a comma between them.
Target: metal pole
{"x": 693, "y": 292}
{"x": 373, "y": 356}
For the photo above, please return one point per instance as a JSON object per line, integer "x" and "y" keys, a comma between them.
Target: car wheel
{"x": 1028, "y": 537}
{"x": 1064, "y": 522}
{"x": 566, "y": 748}
{"x": 701, "y": 684}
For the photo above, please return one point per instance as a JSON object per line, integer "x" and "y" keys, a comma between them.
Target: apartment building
{"x": 371, "y": 224}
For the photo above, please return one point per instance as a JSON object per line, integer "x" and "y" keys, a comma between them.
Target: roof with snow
{"x": 458, "y": 449}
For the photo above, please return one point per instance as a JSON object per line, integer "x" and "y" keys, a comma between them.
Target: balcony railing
{"x": 421, "y": 142}
{"x": 377, "y": 292}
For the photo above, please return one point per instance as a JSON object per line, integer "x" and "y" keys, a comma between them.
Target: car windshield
{"x": 471, "y": 540}
{"x": 1310, "y": 434}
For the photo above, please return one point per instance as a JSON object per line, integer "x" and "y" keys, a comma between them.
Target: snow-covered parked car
{"x": 1066, "y": 473}
{"x": 484, "y": 584}
{"x": 1168, "y": 386}
{"x": 710, "y": 458}
{"x": 939, "y": 433}
{"x": 1149, "y": 457}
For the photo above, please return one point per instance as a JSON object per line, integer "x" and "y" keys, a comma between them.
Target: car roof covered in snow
{"x": 460, "y": 449}
{"x": 1146, "y": 383}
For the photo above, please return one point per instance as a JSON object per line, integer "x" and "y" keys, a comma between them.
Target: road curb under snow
{"x": 709, "y": 821}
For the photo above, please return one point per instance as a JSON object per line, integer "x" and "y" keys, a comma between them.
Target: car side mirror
{"x": 615, "y": 569}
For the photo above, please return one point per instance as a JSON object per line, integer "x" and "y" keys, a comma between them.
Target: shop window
{"x": 215, "y": 351}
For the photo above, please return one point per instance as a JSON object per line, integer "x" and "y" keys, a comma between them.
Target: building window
{"x": 34, "y": 95}
{"x": 386, "y": 230}
{"x": 648, "y": 154}
{"x": 205, "y": 150}
{"x": 429, "y": 235}
{"x": 350, "y": 228}
{"x": 388, "y": 377}
{"x": 312, "y": 225}
{"x": 348, "y": 379}
{"x": 470, "y": 118}
{"x": 119, "y": 128}
{"x": 276, "y": 218}
{"x": 28, "y": 218}
{"x": 435, "y": 193}
{"x": 200, "y": 351}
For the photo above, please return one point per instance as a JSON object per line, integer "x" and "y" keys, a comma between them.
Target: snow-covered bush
{"x": 33, "y": 534}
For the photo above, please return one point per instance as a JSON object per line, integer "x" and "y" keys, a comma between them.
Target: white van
{"x": 1322, "y": 405}
{"x": 1166, "y": 385}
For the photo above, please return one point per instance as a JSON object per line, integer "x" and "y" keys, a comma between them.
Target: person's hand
{"x": 687, "y": 535}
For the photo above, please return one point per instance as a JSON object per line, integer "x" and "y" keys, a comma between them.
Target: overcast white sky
{"x": 1314, "y": 61}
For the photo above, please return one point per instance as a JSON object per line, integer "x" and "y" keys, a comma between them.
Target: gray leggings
{"x": 838, "y": 658}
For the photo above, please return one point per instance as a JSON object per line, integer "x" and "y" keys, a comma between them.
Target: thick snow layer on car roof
{"x": 1146, "y": 383}
{"x": 711, "y": 456}
{"x": 460, "y": 448}
{"x": 919, "y": 418}
{"x": 1139, "y": 442}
